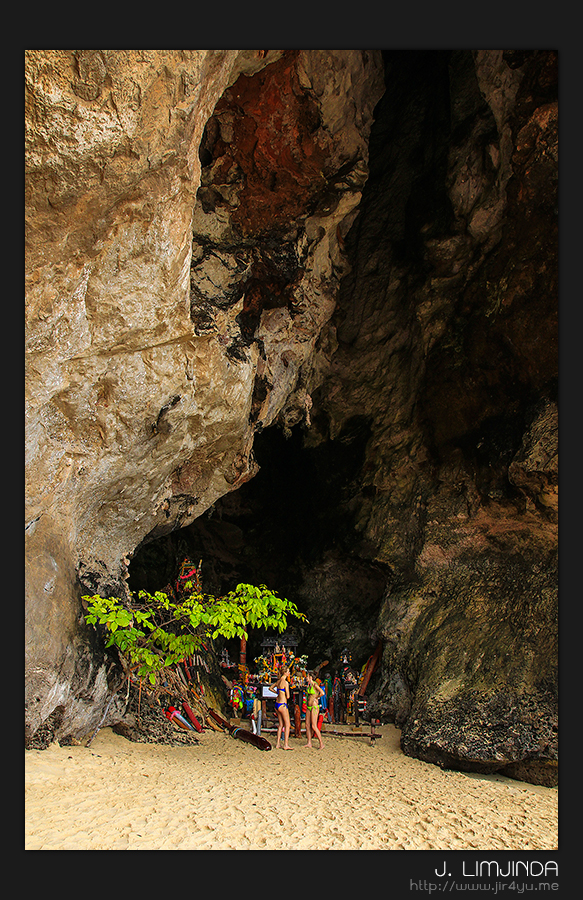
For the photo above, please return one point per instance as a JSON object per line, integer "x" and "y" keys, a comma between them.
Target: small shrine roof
{"x": 287, "y": 639}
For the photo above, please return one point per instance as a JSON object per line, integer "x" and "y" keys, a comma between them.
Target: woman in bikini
{"x": 283, "y": 720}
{"x": 313, "y": 694}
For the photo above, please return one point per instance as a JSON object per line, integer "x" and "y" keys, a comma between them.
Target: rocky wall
{"x": 447, "y": 336}
{"x": 151, "y": 359}
{"x": 359, "y": 248}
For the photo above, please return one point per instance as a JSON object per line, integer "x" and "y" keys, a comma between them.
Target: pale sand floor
{"x": 223, "y": 794}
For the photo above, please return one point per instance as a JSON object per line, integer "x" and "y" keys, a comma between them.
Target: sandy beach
{"x": 223, "y": 794}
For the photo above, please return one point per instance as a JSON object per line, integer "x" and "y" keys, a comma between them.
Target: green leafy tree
{"x": 153, "y": 631}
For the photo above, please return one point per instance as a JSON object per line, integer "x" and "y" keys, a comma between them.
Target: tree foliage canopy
{"x": 154, "y": 631}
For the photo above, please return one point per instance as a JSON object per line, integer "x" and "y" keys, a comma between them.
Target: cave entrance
{"x": 291, "y": 528}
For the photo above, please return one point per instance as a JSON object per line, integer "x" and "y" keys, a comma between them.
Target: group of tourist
{"x": 313, "y": 694}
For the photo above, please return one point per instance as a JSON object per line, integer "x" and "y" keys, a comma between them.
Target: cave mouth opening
{"x": 294, "y": 526}
{"x": 291, "y": 528}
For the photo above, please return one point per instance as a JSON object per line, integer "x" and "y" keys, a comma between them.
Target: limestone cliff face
{"x": 447, "y": 338}
{"x": 149, "y": 366}
{"x": 349, "y": 260}
{"x": 418, "y": 506}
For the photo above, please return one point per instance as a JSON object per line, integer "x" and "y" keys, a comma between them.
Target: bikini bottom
{"x": 279, "y": 705}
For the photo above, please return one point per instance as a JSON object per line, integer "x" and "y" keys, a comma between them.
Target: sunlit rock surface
{"x": 146, "y": 375}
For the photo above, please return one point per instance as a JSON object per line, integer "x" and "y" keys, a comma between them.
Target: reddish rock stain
{"x": 277, "y": 147}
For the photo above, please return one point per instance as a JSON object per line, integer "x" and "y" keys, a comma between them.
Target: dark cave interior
{"x": 293, "y": 514}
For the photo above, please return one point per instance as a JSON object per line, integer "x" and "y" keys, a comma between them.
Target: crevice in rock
{"x": 292, "y": 528}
